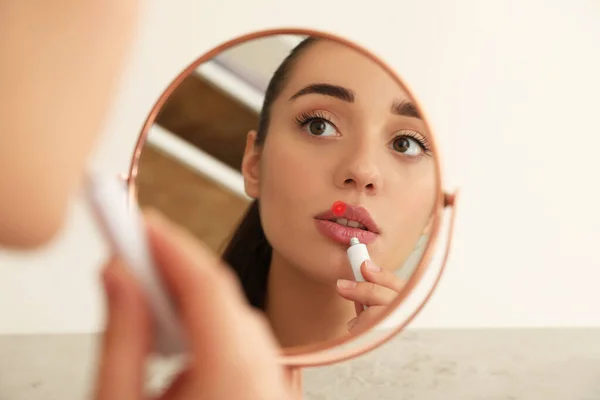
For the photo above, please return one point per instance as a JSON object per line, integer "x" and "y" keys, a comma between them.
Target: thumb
{"x": 126, "y": 340}
{"x": 364, "y": 321}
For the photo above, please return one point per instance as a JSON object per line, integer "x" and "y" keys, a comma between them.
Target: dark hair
{"x": 248, "y": 252}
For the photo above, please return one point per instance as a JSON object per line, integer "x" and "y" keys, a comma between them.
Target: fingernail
{"x": 345, "y": 284}
{"x": 372, "y": 267}
{"x": 351, "y": 323}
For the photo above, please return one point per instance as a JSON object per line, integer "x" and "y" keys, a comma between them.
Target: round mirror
{"x": 296, "y": 155}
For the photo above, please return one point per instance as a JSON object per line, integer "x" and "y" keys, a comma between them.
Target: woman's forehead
{"x": 330, "y": 62}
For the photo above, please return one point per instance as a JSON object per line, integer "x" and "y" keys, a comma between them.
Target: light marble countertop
{"x": 548, "y": 364}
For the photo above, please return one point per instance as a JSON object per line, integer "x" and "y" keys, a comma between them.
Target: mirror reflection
{"x": 279, "y": 151}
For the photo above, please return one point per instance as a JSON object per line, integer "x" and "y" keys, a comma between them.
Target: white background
{"x": 512, "y": 89}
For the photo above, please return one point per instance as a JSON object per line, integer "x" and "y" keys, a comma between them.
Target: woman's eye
{"x": 407, "y": 145}
{"x": 320, "y": 127}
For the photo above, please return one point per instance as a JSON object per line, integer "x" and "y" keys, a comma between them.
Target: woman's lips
{"x": 342, "y": 234}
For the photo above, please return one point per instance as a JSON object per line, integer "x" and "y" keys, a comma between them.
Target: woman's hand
{"x": 380, "y": 288}
{"x": 233, "y": 354}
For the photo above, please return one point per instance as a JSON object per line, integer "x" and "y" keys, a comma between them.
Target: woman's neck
{"x": 301, "y": 310}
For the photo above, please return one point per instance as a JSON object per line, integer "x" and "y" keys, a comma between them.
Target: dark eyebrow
{"x": 403, "y": 108}
{"x": 406, "y": 109}
{"x": 338, "y": 92}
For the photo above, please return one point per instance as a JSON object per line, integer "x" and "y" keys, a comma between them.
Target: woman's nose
{"x": 361, "y": 174}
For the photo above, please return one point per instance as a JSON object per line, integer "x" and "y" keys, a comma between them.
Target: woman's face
{"x": 341, "y": 129}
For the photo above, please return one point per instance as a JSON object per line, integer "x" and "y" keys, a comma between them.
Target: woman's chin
{"x": 322, "y": 261}
{"x": 329, "y": 274}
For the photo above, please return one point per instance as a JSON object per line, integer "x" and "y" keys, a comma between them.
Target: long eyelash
{"x": 425, "y": 146}
{"x": 305, "y": 118}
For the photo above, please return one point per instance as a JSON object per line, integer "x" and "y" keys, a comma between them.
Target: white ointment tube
{"x": 357, "y": 254}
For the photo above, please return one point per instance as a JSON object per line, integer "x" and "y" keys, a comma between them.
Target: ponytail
{"x": 249, "y": 255}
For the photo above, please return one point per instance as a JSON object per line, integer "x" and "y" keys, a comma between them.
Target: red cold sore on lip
{"x": 338, "y": 208}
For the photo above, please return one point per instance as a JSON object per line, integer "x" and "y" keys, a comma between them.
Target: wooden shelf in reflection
{"x": 209, "y": 119}
{"x": 208, "y": 210}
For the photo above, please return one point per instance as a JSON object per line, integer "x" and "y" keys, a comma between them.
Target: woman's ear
{"x": 251, "y": 166}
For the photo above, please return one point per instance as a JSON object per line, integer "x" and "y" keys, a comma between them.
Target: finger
{"x": 174, "y": 245}
{"x": 366, "y": 293}
{"x": 127, "y": 337}
{"x": 197, "y": 282}
{"x": 380, "y": 276}
{"x": 232, "y": 349}
{"x": 365, "y": 320}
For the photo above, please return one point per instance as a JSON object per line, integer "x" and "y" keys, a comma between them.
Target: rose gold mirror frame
{"x": 295, "y": 358}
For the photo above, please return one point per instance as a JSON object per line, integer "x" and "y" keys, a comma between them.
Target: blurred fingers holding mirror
{"x": 307, "y": 164}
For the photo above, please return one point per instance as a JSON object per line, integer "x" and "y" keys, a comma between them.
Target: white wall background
{"x": 512, "y": 90}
